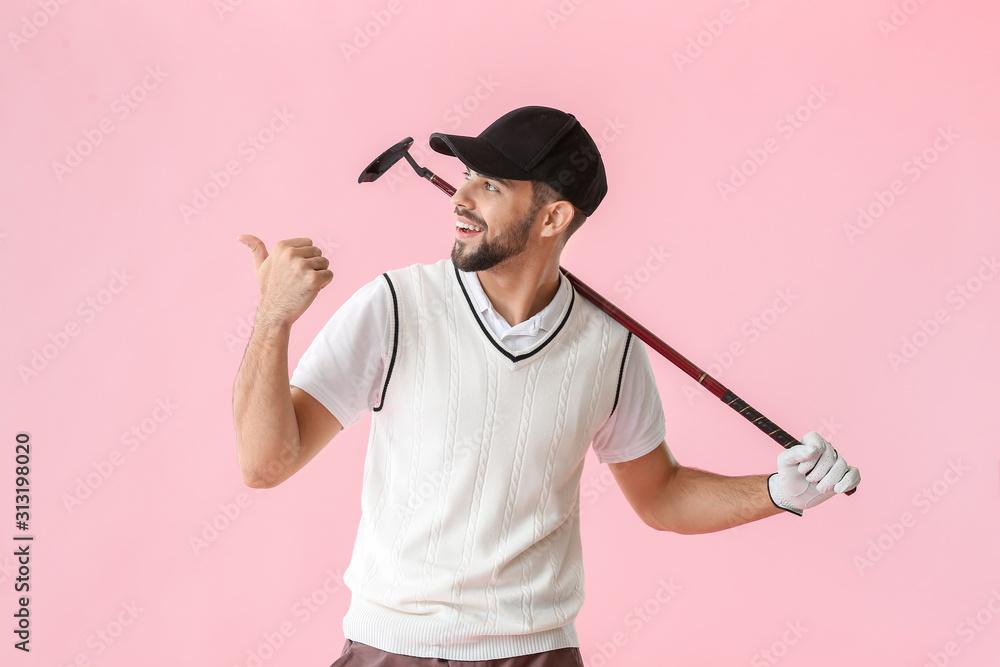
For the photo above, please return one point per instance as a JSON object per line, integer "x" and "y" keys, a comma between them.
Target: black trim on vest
{"x": 395, "y": 340}
{"x": 621, "y": 373}
{"x": 505, "y": 352}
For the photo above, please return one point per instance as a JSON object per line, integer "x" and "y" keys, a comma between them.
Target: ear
{"x": 556, "y": 216}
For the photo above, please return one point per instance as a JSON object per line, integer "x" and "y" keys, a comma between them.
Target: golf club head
{"x": 383, "y": 162}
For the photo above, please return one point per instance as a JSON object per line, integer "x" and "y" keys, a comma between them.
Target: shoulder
{"x": 441, "y": 266}
{"x": 436, "y": 273}
{"x": 594, "y": 312}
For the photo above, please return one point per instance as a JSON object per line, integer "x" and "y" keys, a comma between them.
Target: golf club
{"x": 391, "y": 156}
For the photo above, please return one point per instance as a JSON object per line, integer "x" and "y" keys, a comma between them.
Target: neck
{"x": 521, "y": 290}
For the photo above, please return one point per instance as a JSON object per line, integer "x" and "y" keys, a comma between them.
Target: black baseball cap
{"x": 535, "y": 144}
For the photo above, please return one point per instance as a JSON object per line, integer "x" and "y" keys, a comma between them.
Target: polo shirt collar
{"x": 544, "y": 320}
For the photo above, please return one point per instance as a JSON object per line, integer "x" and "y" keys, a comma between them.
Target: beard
{"x": 490, "y": 253}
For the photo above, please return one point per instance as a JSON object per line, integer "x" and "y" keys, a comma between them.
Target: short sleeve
{"x": 637, "y": 425}
{"x": 344, "y": 366}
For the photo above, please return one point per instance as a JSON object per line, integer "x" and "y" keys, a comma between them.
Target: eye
{"x": 487, "y": 185}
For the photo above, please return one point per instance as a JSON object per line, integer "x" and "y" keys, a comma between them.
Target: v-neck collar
{"x": 550, "y": 320}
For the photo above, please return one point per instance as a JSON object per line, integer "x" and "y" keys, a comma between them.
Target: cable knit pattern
{"x": 414, "y": 465}
{"x": 477, "y": 491}
{"x": 602, "y": 361}
{"x": 450, "y": 447}
{"x": 508, "y": 512}
{"x": 469, "y": 543}
{"x": 569, "y": 372}
{"x": 378, "y": 459}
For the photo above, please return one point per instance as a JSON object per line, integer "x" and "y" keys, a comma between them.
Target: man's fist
{"x": 810, "y": 473}
{"x": 290, "y": 277}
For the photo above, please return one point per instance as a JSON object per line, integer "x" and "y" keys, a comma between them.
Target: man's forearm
{"x": 696, "y": 501}
{"x": 267, "y": 433}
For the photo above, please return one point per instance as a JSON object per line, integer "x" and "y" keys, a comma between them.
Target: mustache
{"x": 469, "y": 216}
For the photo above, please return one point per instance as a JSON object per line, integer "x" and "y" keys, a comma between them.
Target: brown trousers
{"x": 361, "y": 655}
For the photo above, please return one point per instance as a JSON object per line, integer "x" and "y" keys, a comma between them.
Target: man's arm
{"x": 669, "y": 496}
{"x": 279, "y": 428}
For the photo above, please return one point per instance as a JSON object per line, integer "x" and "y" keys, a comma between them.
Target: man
{"x": 488, "y": 379}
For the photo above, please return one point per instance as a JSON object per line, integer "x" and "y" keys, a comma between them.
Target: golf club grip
{"x": 442, "y": 185}
{"x": 776, "y": 433}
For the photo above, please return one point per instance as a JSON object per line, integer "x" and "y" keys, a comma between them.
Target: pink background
{"x": 889, "y": 576}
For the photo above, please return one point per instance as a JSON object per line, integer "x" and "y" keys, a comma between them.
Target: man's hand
{"x": 810, "y": 473}
{"x": 290, "y": 277}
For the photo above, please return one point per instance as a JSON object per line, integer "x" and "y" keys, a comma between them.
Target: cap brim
{"x": 479, "y": 155}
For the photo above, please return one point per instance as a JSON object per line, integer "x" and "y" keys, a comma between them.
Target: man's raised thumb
{"x": 256, "y": 247}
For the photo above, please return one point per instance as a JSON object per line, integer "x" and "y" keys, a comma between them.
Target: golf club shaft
{"x": 776, "y": 433}
{"x": 717, "y": 389}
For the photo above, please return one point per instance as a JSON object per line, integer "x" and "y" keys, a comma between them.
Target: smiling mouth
{"x": 466, "y": 230}
{"x": 468, "y": 226}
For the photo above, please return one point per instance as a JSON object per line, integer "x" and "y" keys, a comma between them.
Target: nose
{"x": 461, "y": 197}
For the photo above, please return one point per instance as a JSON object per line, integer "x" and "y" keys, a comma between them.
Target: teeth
{"x": 470, "y": 227}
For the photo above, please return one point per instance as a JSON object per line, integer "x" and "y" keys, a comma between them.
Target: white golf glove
{"x": 810, "y": 473}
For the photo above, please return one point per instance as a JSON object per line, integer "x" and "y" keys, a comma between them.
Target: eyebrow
{"x": 502, "y": 181}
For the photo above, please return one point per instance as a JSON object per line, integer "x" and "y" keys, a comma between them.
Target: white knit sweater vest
{"x": 469, "y": 542}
